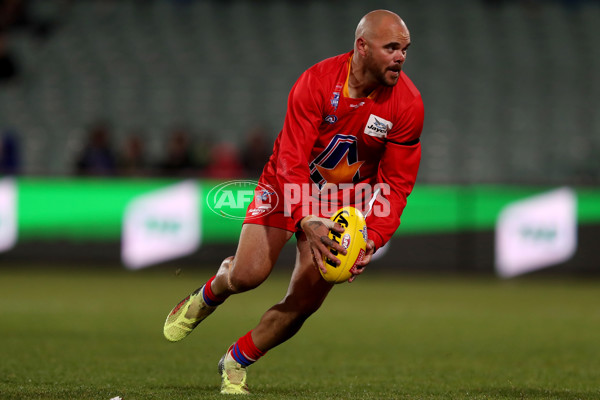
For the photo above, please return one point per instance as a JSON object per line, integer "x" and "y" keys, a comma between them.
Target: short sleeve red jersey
{"x": 330, "y": 138}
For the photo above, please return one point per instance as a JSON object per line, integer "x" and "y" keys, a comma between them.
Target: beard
{"x": 389, "y": 76}
{"x": 384, "y": 76}
{"x": 389, "y": 81}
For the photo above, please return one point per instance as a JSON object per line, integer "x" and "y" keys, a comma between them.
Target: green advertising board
{"x": 83, "y": 209}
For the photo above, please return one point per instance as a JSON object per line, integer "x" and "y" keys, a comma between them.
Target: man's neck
{"x": 359, "y": 85}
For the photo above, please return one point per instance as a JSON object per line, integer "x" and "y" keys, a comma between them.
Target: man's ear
{"x": 361, "y": 46}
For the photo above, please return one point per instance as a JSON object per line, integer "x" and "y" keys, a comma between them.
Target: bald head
{"x": 373, "y": 23}
{"x": 380, "y": 46}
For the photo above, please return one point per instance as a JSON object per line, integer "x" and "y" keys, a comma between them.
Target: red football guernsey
{"x": 330, "y": 138}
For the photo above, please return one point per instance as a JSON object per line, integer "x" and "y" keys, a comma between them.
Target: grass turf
{"x": 97, "y": 334}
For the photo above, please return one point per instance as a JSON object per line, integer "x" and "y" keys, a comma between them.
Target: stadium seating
{"x": 511, "y": 88}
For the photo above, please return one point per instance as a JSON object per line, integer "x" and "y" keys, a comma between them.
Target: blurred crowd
{"x": 181, "y": 155}
{"x": 16, "y": 15}
{"x": 101, "y": 154}
{"x": 102, "y": 151}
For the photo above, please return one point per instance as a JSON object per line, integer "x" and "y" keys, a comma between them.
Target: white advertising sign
{"x": 8, "y": 214}
{"x": 161, "y": 225}
{"x": 536, "y": 233}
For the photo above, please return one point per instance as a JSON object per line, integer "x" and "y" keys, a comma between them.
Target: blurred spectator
{"x": 178, "y": 159}
{"x": 8, "y": 66}
{"x": 97, "y": 157}
{"x": 132, "y": 161}
{"x": 9, "y": 153}
{"x": 225, "y": 162}
{"x": 257, "y": 151}
{"x": 182, "y": 2}
{"x": 202, "y": 151}
{"x": 15, "y": 14}
{"x": 10, "y": 12}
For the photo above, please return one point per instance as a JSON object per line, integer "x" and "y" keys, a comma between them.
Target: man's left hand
{"x": 360, "y": 266}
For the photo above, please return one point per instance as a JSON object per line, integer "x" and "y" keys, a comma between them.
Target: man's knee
{"x": 301, "y": 307}
{"x": 246, "y": 276}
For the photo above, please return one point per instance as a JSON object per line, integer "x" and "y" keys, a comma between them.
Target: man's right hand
{"x": 317, "y": 232}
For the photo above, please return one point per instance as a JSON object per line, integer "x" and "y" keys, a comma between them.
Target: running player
{"x": 354, "y": 119}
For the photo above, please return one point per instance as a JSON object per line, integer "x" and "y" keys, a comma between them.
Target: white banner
{"x": 8, "y": 214}
{"x": 161, "y": 225}
{"x": 536, "y": 233}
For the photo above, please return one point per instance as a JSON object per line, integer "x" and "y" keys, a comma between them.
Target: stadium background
{"x": 196, "y": 89}
{"x": 511, "y": 90}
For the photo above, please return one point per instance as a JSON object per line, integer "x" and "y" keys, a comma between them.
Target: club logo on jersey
{"x": 338, "y": 163}
{"x": 331, "y": 119}
{"x": 335, "y": 100}
{"x": 377, "y": 126}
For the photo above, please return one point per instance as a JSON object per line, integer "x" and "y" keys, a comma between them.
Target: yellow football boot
{"x": 186, "y": 316}
{"x": 233, "y": 375}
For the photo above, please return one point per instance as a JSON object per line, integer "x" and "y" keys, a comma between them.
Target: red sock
{"x": 245, "y": 352}
{"x": 209, "y": 296}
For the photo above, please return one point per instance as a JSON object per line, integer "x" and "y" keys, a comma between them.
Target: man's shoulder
{"x": 402, "y": 96}
{"x": 406, "y": 89}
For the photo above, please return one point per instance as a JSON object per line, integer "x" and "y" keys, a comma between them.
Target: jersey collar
{"x": 345, "y": 91}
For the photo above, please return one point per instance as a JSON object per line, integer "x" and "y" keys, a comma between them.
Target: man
{"x": 352, "y": 119}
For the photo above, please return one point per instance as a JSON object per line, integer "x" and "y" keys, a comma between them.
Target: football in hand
{"x": 353, "y": 239}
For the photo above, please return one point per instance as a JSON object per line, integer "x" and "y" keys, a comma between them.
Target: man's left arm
{"x": 396, "y": 179}
{"x": 396, "y": 175}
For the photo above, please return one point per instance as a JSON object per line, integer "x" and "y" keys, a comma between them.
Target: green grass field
{"x": 97, "y": 333}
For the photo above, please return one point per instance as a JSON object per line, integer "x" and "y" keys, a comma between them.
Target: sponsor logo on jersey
{"x": 377, "y": 126}
{"x": 362, "y": 103}
{"x": 260, "y": 210}
{"x": 263, "y": 199}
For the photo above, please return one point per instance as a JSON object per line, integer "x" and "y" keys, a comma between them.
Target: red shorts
{"x": 266, "y": 207}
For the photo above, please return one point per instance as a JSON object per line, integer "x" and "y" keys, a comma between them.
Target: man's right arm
{"x": 297, "y": 139}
